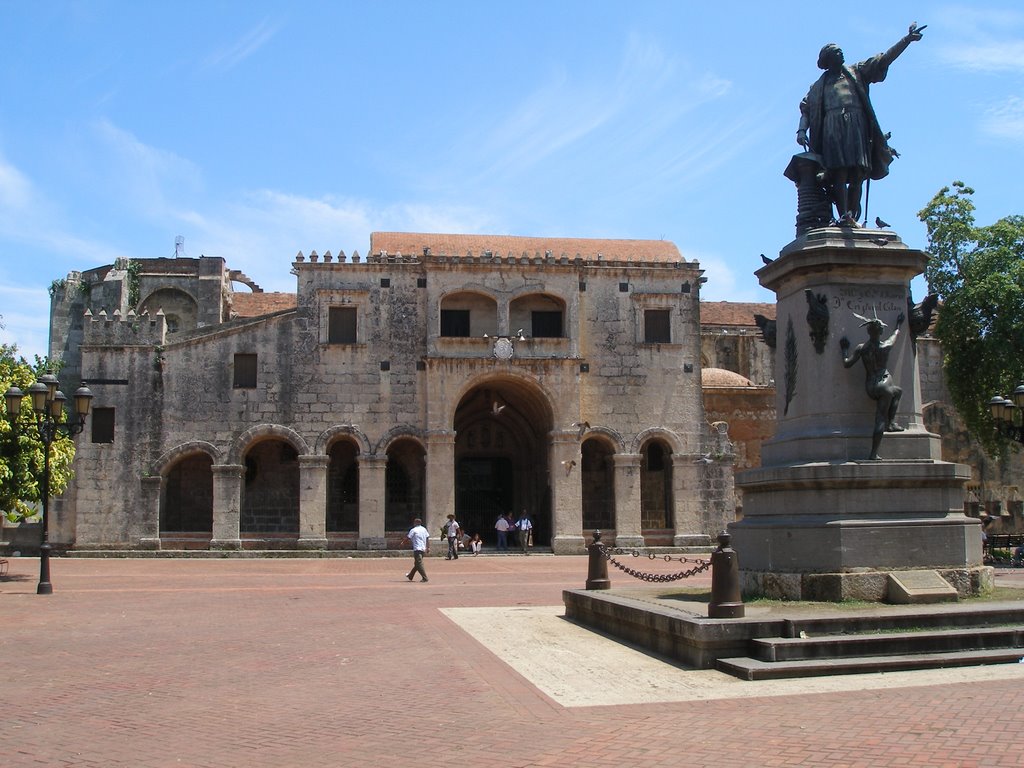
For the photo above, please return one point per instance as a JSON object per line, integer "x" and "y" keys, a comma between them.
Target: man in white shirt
{"x": 452, "y": 531}
{"x": 502, "y": 527}
{"x": 525, "y": 527}
{"x": 419, "y": 537}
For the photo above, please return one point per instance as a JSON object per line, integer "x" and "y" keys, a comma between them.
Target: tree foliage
{"x": 21, "y": 451}
{"x": 978, "y": 274}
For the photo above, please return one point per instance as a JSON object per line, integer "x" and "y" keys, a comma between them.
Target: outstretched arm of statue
{"x": 913, "y": 35}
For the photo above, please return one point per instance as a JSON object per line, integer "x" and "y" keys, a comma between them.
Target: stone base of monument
{"x": 836, "y": 531}
{"x": 821, "y": 521}
{"x": 869, "y": 585}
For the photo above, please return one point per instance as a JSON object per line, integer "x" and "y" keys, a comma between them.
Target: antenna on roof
{"x": 179, "y": 246}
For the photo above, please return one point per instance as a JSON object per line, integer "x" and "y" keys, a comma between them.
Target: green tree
{"x": 21, "y": 451}
{"x": 978, "y": 274}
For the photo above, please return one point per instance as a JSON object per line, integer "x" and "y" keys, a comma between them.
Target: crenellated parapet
{"x": 493, "y": 259}
{"x": 115, "y": 330}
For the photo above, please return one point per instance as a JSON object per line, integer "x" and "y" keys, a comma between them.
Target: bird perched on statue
{"x": 766, "y": 260}
{"x": 880, "y": 224}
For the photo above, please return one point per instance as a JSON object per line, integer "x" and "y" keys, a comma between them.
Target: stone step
{"x": 774, "y": 649}
{"x": 916, "y": 618}
{"x": 746, "y": 668}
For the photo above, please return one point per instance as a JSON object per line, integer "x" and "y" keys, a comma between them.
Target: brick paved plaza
{"x": 342, "y": 662}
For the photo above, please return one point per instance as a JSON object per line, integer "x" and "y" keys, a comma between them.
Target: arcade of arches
{"x": 506, "y": 457}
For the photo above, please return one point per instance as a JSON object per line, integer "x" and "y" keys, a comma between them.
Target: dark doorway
{"x": 502, "y": 438}
{"x": 484, "y": 490}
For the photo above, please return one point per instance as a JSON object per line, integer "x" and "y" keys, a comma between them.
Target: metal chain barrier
{"x": 699, "y": 565}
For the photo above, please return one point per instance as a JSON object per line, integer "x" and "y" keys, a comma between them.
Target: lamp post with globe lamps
{"x": 1008, "y": 414}
{"x": 48, "y": 409}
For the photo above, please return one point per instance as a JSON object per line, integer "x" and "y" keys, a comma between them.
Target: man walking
{"x": 452, "y": 531}
{"x": 419, "y": 537}
{"x": 525, "y": 527}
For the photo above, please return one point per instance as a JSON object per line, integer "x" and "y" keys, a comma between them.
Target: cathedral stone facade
{"x": 465, "y": 374}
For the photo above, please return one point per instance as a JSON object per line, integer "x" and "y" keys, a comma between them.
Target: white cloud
{"x": 15, "y": 188}
{"x": 1006, "y": 120}
{"x": 988, "y": 40}
{"x": 142, "y": 176}
{"x": 232, "y": 55}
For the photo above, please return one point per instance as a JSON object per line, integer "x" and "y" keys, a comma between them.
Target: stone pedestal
{"x": 821, "y": 521}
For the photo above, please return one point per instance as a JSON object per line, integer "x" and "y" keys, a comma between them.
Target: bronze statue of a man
{"x": 881, "y": 388}
{"x": 842, "y": 124}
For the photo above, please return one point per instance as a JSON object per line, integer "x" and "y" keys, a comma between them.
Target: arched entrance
{"x": 187, "y": 502}
{"x": 502, "y": 431}
{"x": 270, "y": 496}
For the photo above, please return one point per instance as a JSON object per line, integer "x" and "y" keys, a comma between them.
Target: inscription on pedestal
{"x": 863, "y": 299}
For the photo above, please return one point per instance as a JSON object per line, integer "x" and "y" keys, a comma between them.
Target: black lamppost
{"x": 48, "y": 407}
{"x": 1009, "y": 414}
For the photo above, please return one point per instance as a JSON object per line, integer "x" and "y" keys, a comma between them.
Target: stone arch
{"x": 270, "y": 490}
{"x": 180, "y": 308}
{"x": 478, "y": 308}
{"x": 166, "y": 460}
{"x": 609, "y": 435}
{"x": 504, "y": 424}
{"x": 186, "y": 490}
{"x": 404, "y": 481}
{"x": 657, "y": 501}
{"x": 262, "y": 432}
{"x": 401, "y": 432}
{"x": 545, "y": 399}
{"x": 597, "y": 482}
{"x": 344, "y": 453}
{"x": 341, "y": 431}
{"x": 540, "y": 314}
{"x": 665, "y": 435}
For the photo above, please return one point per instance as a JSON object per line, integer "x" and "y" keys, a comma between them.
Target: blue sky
{"x": 258, "y": 129}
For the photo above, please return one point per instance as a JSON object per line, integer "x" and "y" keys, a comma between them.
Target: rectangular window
{"x": 657, "y": 326}
{"x": 341, "y": 325}
{"x": 245, "y": 371}
{"x": 102, "y": 425}
{"x": 455, "y": 322}
{"x": 546, "y": 325}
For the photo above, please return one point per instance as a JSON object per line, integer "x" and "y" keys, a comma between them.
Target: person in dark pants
{"x": 452, "y": 531}
{"x": 419, "y": 538}
{"x": 525, "y": 528}
{"x": 502, "y": 527}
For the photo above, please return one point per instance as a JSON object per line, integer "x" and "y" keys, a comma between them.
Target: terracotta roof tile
{"x": 413, "y": 243}
{"x": 734, "y": 312}
{"x": 256, "y": 304}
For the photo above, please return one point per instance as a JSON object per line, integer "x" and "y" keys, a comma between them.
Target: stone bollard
{"x": 597, "y": 571}
{"x": 726, "y": 600}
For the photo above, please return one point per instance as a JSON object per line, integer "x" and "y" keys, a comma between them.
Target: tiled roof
{"x": 256, "y": 304}
{"x": 413, "y": 243}
{"x": 733, "y": 312}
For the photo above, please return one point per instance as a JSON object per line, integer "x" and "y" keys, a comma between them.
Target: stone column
{"x": 313, "y": 501}
{"x": 567, "y": 494}
{"x": 372, "y": 491}
{"x": 145, "y": 530}
{"x": 227, "y": 505}
{"x": 627, "y": 500}
{"x": 440, "y": 501}
{"x": 688, "y": 497}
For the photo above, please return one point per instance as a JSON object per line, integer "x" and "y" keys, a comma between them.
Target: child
{"x": 475, "y": 544}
